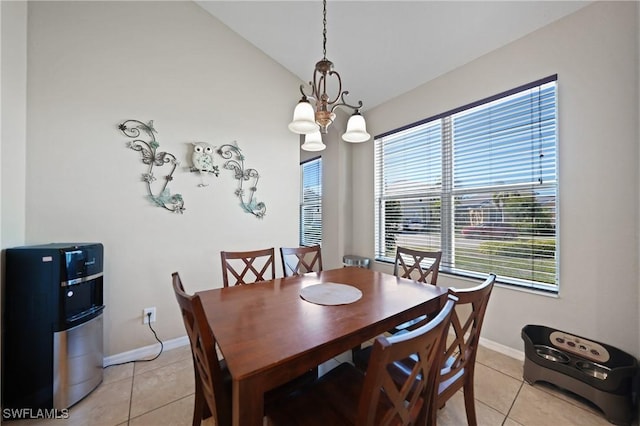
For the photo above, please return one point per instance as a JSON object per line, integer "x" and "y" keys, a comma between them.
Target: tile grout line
{"x": 576, "y": 403}
{"x": 133, "y": 377}
{"x": 144, "y": 372}
{"x": 520, "y": 379}
{"x": 513, "y": 403}
{"x": 499, "y": 371}
{"x": 572, "y": 400}
{"x": 162, "y": 406}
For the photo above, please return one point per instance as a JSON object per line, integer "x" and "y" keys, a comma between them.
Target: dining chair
{"x": 460, "y": 355}
{"x": 212, "y": 377}
{"x": 458, "y": 366}
{"x": 248, "y": 267}
{"x": 346, "y": 396}
{"x": 300, "y": 260}
{"x": 410, "y": 263}
{"x": 417, "y": 265}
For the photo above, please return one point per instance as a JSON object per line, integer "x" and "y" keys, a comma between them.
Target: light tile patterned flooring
{"x": 161, "y": 393}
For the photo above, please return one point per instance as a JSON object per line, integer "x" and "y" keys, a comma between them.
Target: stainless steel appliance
{"x": 52, "y": 351}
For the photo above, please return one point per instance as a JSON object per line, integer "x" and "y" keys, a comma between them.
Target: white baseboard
{"x": 145, "y": 351}
{"x": 505, "y": 350}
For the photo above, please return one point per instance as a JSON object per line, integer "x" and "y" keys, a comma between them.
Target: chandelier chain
{"x": 324, "y": 29}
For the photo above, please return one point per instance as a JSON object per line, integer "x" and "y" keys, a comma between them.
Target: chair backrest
{"x": 409, "y": 402}
{"x": 300, "y": 260}
{"x": 466, "y": 323}
{"x": 205, "y": 360}
{"x": 248, "y": 267}
{"x": 417, "y": 265}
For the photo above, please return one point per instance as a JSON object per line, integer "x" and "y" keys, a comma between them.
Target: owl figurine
{"x": 202, "y": 160}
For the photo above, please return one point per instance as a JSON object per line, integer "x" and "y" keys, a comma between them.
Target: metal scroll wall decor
{"x": 202, "y": 163}
{"x": 246, "y": 193}
{"x": 148, "y": 148}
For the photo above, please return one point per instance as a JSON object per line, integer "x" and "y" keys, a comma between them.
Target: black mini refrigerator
{"x": 52, "y": 351}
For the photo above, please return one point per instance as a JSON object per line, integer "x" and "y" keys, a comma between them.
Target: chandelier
{"x": 313, "y": 123}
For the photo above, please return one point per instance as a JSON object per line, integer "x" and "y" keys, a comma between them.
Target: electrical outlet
{"x": 145, "y": 315}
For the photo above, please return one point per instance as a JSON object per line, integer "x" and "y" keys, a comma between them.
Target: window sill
{"x": 446, "y": 279}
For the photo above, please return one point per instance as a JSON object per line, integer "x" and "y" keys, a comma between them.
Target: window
{"x": 479, "y": 183}
{"x": 311, "y": 202}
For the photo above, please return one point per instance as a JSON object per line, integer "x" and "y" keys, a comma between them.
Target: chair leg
{"x": 432, "y": 415}
{"x": 199, "y": 405}
{"x": 469, "y": 401}
{"x": 206, "y": 413}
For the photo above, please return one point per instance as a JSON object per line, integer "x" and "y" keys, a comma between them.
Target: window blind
{"x": 478, "y": 183}
{"x": 311, "y": 203}
{"x": 408, "y": 188}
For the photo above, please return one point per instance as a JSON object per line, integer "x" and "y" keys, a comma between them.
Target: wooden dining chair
{"x": 248, "y": 267}
{"x": 460, "y": 355}
{"x": 418, "y": 265}
{"x": 212, "y": 377}
{"x": 461, "y": 348}
{"x": 346, "y": 396}
{"x": 300, "y": 260}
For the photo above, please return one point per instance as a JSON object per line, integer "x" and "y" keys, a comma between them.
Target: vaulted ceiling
{"x": 384, "y": 48}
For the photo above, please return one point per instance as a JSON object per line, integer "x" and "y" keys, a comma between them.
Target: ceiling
{"x": 384, "y": 48}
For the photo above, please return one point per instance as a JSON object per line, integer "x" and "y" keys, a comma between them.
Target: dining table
{"x": 269, "y": 333}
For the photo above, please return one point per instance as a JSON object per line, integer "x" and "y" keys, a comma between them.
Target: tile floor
{"x": 161, "y": 393}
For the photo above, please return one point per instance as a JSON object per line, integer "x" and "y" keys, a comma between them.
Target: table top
{"x": 267, "y": 324}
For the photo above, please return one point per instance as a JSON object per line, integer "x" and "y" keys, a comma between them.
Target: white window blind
{"x": 408, "y": 189}
{"x": 478, "y": 183}
{"x": 311, "y": 203}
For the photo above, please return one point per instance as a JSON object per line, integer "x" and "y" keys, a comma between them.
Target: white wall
{"x": 595, "y": 54}
{"x": 13, "y": 125}
{"x": 92, "y": 65}
{"x": 13, "y": 112}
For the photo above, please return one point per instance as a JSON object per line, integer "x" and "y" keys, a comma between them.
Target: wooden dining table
{"x": 268, "y": 334}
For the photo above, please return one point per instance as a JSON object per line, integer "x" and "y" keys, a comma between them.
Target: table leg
{"x": 248, "y": 403}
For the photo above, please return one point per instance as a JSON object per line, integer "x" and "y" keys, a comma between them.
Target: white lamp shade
{"x": 304, "y": 120}
{"x": 313, "y": 142}
{"x": 356, "y": 130}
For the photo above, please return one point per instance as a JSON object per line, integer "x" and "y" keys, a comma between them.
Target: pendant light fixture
{"x": 313, "y": 142}
{"x": 314, "y": 123}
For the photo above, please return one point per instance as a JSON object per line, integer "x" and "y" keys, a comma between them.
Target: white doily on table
{"x": 330, "y": 294}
